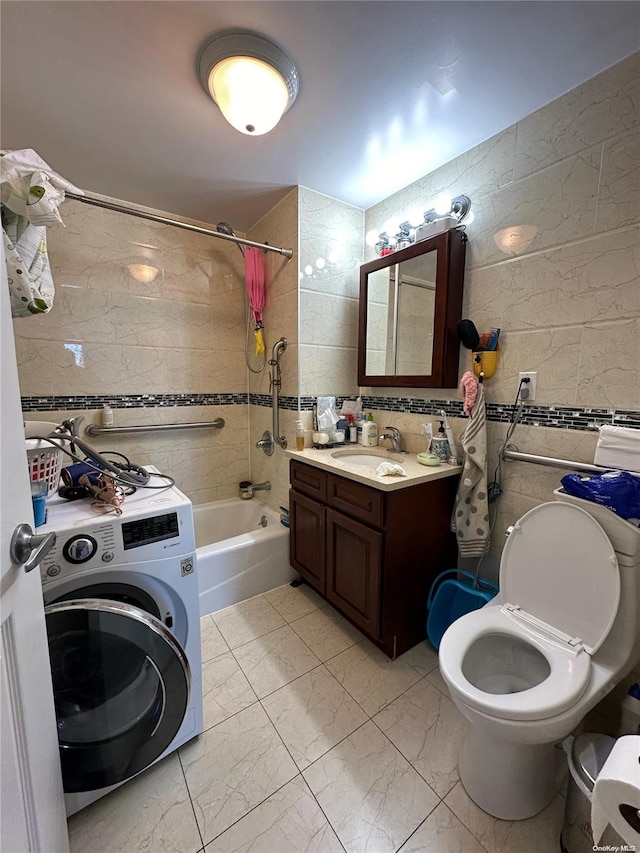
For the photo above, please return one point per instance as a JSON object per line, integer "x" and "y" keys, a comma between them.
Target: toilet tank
{"x": 624, "y": 637}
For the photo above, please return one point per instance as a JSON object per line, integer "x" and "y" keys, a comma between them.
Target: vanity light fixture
{"x": 251, "y": 80}
{"x": 400, "y": 236}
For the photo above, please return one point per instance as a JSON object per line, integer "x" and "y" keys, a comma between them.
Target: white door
{"x": 32, "y": 818}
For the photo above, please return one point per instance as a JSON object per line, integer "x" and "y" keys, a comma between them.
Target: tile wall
{"x": 279, "y": 228}
{"x": 562, "y": 188}
{"x": 165, "y": 351}
{"x": 331, "y": 252}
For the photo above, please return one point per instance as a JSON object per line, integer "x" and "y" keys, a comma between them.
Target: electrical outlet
{"x": 532, "y": 376}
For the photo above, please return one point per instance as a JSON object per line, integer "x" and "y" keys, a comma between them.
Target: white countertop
{"x": 416, "y": 472}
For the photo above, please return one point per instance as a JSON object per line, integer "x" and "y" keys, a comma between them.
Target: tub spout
{"x": 247, "y": 488}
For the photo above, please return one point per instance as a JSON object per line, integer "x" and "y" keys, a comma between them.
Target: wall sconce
{"x": 400, "y": 236}
{"x": 143, "y": 272}
{"x": 251, "y": 80}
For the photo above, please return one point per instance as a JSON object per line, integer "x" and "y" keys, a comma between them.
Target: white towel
{"x": 470, "y": 519}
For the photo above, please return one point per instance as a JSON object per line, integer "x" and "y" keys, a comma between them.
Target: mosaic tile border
{"x": 44, "y": 403}
{"x": 557, "y": 417}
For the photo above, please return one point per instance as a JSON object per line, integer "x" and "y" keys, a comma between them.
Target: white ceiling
{"x": 108, "y": 92}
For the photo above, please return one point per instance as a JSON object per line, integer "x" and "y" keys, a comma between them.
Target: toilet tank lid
{"x": 559, "y": 566}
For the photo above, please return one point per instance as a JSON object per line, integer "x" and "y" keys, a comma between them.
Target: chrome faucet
{"x": 395, "y": 437}
{"x": 247, "y": 488}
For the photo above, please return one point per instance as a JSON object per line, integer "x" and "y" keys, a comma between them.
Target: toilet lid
{"x": 559, "y": 566}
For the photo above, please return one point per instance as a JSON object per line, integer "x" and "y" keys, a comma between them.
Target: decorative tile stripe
{"x": 288, "y": 403}
{"x": 558, "y": 417}
{"x": 46, "y": 403}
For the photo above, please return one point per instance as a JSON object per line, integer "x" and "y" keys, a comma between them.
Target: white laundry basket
{"x": 44, "y": 460}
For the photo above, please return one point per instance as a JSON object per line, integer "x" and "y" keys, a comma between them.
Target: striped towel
{"x": 470, "y": 519}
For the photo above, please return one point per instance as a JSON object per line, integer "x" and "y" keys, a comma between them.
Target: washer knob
{"x": 80, "y": 549}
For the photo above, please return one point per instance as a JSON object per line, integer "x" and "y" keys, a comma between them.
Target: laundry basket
{"x": 44, "y": 460}
{"x": 454, "y": 593}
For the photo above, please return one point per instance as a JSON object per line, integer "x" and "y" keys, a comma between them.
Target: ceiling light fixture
{"x": 251, "y": 80}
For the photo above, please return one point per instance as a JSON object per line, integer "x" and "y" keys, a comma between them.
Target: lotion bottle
{"x": 369, "y": 434}
{"x": 106, "y": 416}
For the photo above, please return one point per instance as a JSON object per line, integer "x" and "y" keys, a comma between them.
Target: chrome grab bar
{"x": 94, "y": 429}
{"x": 512, "y": 453}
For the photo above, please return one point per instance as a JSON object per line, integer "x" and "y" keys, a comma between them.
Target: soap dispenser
{"x": 440, "y": 443}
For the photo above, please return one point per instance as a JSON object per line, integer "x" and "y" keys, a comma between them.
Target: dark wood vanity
{"x": 372, "y": 554}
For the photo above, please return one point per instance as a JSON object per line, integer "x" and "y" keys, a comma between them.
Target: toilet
{"x": 525, "y": 669}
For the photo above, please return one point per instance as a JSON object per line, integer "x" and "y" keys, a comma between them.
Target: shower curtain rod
{"x": 166, "y": 220}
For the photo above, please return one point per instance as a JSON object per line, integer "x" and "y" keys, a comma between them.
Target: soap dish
{"x": 428, "y": 459}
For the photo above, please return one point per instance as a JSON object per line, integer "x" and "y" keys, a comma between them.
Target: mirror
{"x": 410, "y": 304}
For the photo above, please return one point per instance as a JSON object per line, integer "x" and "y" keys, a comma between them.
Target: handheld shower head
{"x": 225, "y": 228}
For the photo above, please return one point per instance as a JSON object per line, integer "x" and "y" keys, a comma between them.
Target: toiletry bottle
{"x": 353, "y": 430}
{"x": 107, "y": 416}
{"x": 359, "y": 426}
{"x": 369, "y": 434}
{"x": 299, "y": 436}
{"x": 440, "y": 444}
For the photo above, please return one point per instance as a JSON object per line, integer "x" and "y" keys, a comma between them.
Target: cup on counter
{"x": 39, "y": 490}
{"x": 337, "y": 436}
{"x": 320, "y": 438}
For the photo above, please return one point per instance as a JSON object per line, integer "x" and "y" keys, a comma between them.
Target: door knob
{"x": 30, "y": 548}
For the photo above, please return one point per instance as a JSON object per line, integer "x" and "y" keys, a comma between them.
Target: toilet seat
{"x": 566, "y": 682}
{"x": 559, "y": 568}
{"x": 560, "y": 582}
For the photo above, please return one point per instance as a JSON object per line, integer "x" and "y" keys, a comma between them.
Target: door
{"x": 121, "y": 685}
{"x": 32, "y": 816}
{"x": 306, "y": 542}
{"x": 354, "y": 556}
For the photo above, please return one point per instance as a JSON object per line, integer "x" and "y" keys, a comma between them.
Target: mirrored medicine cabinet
{"x": 410, "y": 305}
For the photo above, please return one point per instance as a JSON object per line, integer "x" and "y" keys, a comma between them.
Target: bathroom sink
{"x": 369, "y": 460}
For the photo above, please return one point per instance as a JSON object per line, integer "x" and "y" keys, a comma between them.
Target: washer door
{"x": 121, "y": 686}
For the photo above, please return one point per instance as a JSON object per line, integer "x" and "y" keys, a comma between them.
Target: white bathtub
{"x": 238, "y": 557}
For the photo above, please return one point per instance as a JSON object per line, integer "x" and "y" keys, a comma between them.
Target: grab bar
{"x": 94, "y": 429}
{"x": 512, "y": 453}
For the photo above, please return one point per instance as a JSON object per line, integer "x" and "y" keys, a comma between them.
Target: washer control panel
{"x": 118, "y": 542}
{"x": 73, "y": 551}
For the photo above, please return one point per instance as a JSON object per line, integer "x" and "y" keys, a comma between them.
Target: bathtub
{"x": 237, "y": 556}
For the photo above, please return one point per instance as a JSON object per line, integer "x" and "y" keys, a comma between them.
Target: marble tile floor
{"x": 314, "y": 742}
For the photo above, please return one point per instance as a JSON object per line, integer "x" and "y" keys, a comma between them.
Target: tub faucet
{"x": 247, "y": 488}
{"x": 395, "y": 437}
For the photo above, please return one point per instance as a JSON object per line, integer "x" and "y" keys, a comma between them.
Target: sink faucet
{"x": 247, "y": 488}
{"x": 395, "y": 437}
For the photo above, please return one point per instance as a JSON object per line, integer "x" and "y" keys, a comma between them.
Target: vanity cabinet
{"x": 372, "y": 554}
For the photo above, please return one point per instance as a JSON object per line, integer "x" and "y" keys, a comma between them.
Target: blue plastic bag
{"x": 619, "y": 491}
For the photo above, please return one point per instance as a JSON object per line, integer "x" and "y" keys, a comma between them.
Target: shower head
{"x": 225, "y": 228}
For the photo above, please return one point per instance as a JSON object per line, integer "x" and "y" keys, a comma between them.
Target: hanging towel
{"x": 31, "y": 193}
{"x": 470, "y": 519}
{"x": 254, "y": 283}
{"x": 469, "y": 391}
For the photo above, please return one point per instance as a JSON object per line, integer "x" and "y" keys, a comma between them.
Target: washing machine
{"x": 123, "y": 622}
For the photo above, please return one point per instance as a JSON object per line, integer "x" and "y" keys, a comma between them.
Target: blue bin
{"x": 453, "y": 594}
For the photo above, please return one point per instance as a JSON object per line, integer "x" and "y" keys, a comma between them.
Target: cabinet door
{"x": 354, "y": 555}
{"x": 306, "y": 542}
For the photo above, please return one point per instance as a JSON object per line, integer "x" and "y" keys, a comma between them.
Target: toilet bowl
{"x": 526, "y": 671}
